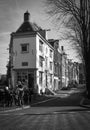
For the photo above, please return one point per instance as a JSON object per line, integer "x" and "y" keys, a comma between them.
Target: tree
{"x": 75, "y": 16}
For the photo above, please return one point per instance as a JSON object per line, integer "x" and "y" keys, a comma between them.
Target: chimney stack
{"x": 26, "y": 16}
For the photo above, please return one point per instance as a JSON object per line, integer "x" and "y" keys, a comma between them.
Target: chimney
{"x": 26, "y": 16}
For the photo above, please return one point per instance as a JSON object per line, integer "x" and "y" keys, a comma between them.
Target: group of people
{"x": 23, "y": 93}
{"x": 19, "y": 95}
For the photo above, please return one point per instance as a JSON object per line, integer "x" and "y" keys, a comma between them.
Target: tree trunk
{"x": 87, "y": 67}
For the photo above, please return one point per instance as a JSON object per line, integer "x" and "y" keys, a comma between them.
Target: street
{"x": 49, "y": 118}
{"x": 53, "y": 114}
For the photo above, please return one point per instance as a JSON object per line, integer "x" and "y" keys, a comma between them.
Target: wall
{"x": 19, "y": 57}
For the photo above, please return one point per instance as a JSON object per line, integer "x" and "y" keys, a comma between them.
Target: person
{"x": 26, "y": 91}
{"x": 20, "y": 93}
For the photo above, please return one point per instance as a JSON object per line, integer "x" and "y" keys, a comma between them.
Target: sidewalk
{"x": 36, "y": 99}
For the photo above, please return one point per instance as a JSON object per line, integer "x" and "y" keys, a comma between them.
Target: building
{"x": 64, "y": 67}
{"x": 81, "y": 74}
{"x": 31, "y": 56}
{"x": 73, "y": 71}
{"x": 57, "y": 64}
{"x": 76, "y": 72}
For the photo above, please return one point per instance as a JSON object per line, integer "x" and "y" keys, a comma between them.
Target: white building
{"x": 31, "y": 56}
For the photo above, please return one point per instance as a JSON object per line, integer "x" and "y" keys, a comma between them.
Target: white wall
{"x": 47, "y": 54}
{"x": 19, "y": 57}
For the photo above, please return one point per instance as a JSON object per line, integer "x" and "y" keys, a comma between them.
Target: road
{"x": 52, "y": 118}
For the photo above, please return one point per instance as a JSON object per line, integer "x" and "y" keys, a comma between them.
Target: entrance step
{"x": 48, "y": 91}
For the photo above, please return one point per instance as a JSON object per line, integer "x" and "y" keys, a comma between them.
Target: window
{"x": 41, "y": 61}
{"x": 51, "y": 53}
{"x": 46, "y": 61}
{"x": 40, "y": 45}
{"x": 21, "y": 76}
{"x": 40, "y": 77}
{"x": 24, "y": 47}
{"x": 50, "y": 78}
{"x": 24, "y": 63}
{"x": 50, "y": 65}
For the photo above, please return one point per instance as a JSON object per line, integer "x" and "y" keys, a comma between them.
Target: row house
{"x": 65, "y": 70}
{"x": 57, "y": 64}
{"x": 76, "y": 72}
{"x": 64, "y": 62}
{"x": 31, "y": 56}
{"x": 81, "y": 74}
{"x": 60, "y": 65}
{"x": 73, "y": 71}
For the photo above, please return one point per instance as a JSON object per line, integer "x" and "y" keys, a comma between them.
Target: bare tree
{"x": 75, "y": 16}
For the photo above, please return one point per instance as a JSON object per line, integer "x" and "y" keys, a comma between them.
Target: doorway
{"x": 30, "y": 80}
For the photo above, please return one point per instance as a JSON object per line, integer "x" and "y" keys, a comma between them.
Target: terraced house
{"x": 31, "y": 56}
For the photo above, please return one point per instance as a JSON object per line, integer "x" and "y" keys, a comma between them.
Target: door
{"x": 30, "y": 80}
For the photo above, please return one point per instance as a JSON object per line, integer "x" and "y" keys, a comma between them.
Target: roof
{"x": 27, "y": 27}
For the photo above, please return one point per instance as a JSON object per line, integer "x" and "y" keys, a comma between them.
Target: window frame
{"x": 40, "y": 61}
{"x": 27, "y": 46}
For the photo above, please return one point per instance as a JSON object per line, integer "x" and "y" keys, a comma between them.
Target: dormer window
{"x": 25, "y": 48}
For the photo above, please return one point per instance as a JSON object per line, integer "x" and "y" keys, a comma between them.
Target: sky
{"x": 11, "y": 17}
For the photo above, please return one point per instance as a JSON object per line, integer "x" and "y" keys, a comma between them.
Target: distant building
{"x": 31, "y": 56}
{"x": 81, "y": 74}
{"x": 73, "y": 71}
{"x": 76, "y": 72}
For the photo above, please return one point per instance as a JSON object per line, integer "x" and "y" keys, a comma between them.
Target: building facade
{"x": 31, "y": 56}
{"x": 57, "y": 64}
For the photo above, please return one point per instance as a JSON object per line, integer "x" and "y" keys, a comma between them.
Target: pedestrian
{"x": 20, "y": 93}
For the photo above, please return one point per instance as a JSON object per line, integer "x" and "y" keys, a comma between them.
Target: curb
{"x": 24, "y": 107}
{"x": 82, "y": 103}
{"x": 15, "y": 109}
